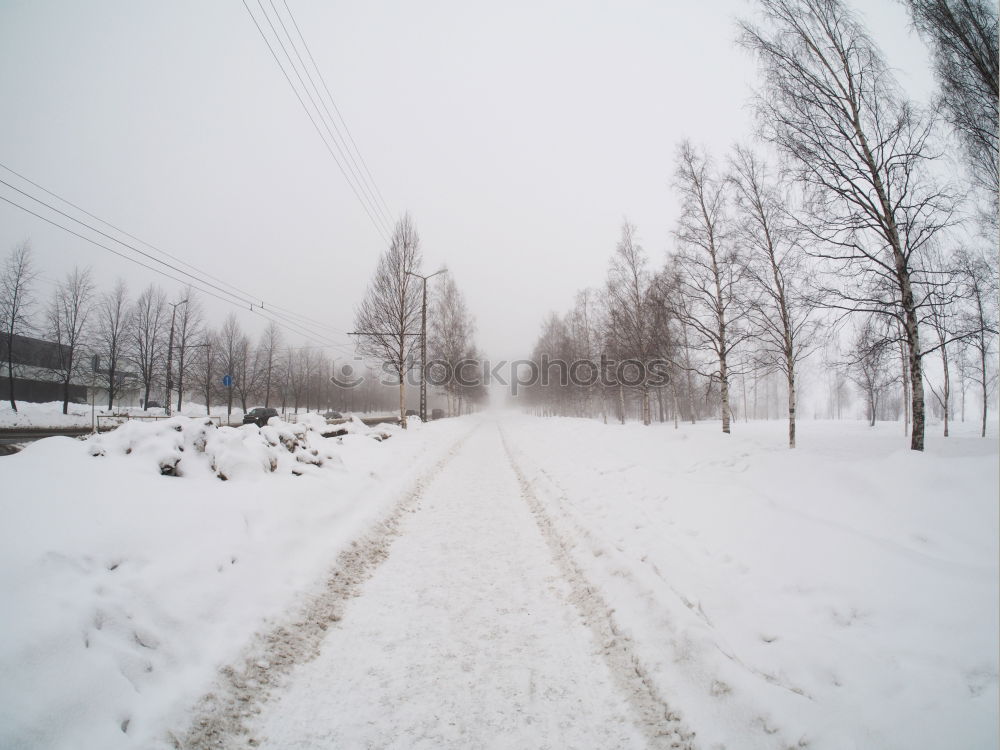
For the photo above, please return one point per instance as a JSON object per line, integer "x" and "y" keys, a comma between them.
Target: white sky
{"x": 518, "y": 135}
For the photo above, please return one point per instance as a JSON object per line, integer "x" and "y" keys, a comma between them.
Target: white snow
{"x": 123, "y": 590}
{"x": 465, "y": 634}
{"x": 842, "y": 595}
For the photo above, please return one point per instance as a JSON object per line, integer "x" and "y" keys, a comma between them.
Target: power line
{"x": 336, "y": 109}
{"x": 283, "y": 324}
{"x": 328, "y": 120}
{"x": 312, "y": 119}
{"x": 247, "y": 298}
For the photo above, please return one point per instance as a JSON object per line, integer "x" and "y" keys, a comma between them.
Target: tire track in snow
{"x": 662, "y": 727}
{"x": 221, "y": 716}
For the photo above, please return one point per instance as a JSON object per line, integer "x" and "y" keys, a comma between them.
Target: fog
{"x": 517, "y": 135}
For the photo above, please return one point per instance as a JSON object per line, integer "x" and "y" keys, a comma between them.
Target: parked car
{"x": 437, "y": 413}
{"x": 412, "y": 413}
{"x": 259, "y": 415}
{"x": 333, "y": 415}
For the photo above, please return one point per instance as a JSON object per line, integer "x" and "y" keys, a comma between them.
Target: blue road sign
{"x": 227, "y": 380}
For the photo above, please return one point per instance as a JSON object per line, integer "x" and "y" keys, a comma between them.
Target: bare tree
{"x": 246, "y": 376}
{"x": 666, "y": 326}
{"x": 268, "y": 348}
{"x": 630, "y": 306}
{"x": 206, "y": 366}
{"x": 781, "y": 314}
{"x": 859, "y": 150}
{"x": 188, "y": 330}
{"x": 869, "y": 366}
{"x": 232, "y": 353}
{"x": 963, "y": 38}
{"x": 294, "y": 377}
{"x": 451, "y": 330}
{"x": 149, "y": 323}
{"x": 388, "y": 319}
{"x": 980, "y": 320}
{"x": 114, "y": 322}
{"x": 16, "y": 302}
{"x": 68, "y": 317}
{"x": 711, "y": 271}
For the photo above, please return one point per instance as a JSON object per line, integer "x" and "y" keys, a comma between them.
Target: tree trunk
{"x": 402, "y": 400}
{"x": 916, "y": 370}
{"x": 621, "y": 403}
{"x": 982, "y": 363}
{"x": 946, "y": 395}
{"x": 180, "y": 380}
{"x": 724, "y": 392}
{"x": 791, "y": 403}
{"x": 111, "y": 385}
{"x": 10, "y": 375}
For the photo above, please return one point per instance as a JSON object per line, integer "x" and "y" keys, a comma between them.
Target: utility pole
{"x": 423, "y": 344}
{"x": 170, "y": 353}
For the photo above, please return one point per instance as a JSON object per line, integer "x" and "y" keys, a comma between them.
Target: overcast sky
{"x": 517, "y": 134}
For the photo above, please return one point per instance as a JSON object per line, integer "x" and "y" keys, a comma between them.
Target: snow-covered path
{"x": 466, "y": 636}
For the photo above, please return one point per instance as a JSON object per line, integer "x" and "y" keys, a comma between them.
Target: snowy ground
{"x": 502, "y": 582}
{"x": 123, "y": 591}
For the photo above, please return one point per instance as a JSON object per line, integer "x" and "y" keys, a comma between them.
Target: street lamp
{"x": 423, "y": 343}
{"x": 170, "y": 351}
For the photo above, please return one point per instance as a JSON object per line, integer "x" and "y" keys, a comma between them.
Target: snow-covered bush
{"x": 184, "y": 446}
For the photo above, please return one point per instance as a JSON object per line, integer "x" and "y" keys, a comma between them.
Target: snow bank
{"x": 842, "y": 595}
{"x": 45, "y": 415}
{"x": 182, "y": 446}
{"x": 124, "y": 588}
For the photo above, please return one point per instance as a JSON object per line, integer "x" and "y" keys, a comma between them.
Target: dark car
{"x": 259, "y": 416}
{"x": 333, "y": 415}
{"x": 412, "y": 413}
{"x": 437, "y": 413}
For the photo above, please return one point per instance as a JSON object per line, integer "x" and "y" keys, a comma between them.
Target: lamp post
{"x": 423, "y": 343}
{"x": 170, "y": 352}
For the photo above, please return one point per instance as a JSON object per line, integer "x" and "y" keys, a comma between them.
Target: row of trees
{"x": 857, "y": 227}
{"x": 390, "y": 327}
{"x": 166, "y": 348}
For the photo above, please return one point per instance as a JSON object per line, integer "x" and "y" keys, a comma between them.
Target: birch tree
{"x": 963, "y": 38}
{"x": 980, "y": 320}
{"x": 629, "y": 305}
{"x": 869, "y": 366}
{"x": 781, "y": 313}
{"x": 859, "y": 149}
{"x": 711, "y": 271}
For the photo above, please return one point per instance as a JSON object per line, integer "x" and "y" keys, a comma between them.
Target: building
{"x": 38, "y": 375}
